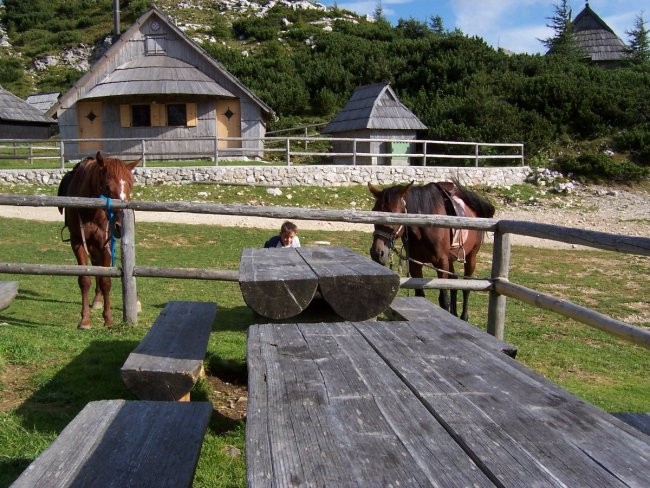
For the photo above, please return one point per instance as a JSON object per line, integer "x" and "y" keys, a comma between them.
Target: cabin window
{"x": 158, "y": 115}
{"x": 154, "y": 45}
{"x": 140, "y": 116}
{"x": 176, "y": 114}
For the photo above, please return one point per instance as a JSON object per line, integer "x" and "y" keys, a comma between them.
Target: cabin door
{"x": 228, "y": 122}
{"x": 90, "y": 125}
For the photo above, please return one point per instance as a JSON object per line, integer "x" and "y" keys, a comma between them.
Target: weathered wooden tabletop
{"x": 281, "y": 283}
{"x": 417, "y": 404}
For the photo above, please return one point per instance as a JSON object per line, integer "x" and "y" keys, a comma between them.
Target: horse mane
{"x": 424, "y": 199}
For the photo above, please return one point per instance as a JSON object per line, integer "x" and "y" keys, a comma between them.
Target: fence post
{"x": 31, "y": 153}
{"x": 216, "y": 151}
{"x": 354, "y": 152}
{"x": 500, "y": 270}
{"x": 143, "y": 154}
{"x": 424, "y": 158}
{"x": 288, "y": 145}
{"x": 129, "y": 290}
{"x": 62, "y": 154}
{"x": 522, "y": 155}
{"x": 476, "y": 155}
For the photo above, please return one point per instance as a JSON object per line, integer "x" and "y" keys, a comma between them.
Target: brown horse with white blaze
{"x": 436, "y": 246}
{"x": 94, "y": 230}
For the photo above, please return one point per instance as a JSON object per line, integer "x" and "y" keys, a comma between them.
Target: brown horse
{"x": 93, "y": 230}
{"x": 436, "y": 246}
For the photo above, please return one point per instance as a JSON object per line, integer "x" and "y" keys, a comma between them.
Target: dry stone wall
{"x": 284, "y": 176}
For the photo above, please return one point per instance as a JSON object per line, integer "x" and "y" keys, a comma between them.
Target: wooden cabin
{"x": 155, "y": 83}
{"x": 375, "y": 112}
{"x": 597, "y": 39}
{"x": 43, "y": 101}
{"x": 19, "y": 120}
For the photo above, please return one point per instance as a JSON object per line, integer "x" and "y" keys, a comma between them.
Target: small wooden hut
{"x": 375, "y": 112}
{"x": 156, "y": 84}
{"x": 597, "y": 39}
{"x": 43, "y": 101}
{"x": 19, "y": 120}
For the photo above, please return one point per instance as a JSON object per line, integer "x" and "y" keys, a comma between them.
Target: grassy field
{"x": 49, "y": 370}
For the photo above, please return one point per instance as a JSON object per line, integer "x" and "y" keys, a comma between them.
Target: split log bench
{"x": 419, "y": 308}
{"x": 281, "y": 283}
{"x": 120, "y": 443}
{"x": 8, "y": 290}
{"x": 169, "y": 359}
{"x": 638, "y": 420}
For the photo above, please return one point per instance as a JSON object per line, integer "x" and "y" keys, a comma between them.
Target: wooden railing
{"x": 288, "y": 149}
{"x": 498, "y": 285}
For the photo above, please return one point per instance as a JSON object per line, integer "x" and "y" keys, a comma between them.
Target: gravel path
{"x": 620, "y": 211}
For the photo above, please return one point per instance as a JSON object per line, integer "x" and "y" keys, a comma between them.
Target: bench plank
{"x": 8, "y": 290}
{"x": 419, "y": 308}
{"x": 354, "y": 286}
{"x": 118, "y": 443}
{"x": 276, "y": 283}
{"x": 169, "y": 359}
{"x": 640, "y": 420}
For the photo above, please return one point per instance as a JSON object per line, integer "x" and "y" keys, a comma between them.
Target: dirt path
{"x": 620, "y": 211}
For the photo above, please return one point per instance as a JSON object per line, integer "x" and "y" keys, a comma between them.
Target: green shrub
{"x": 637, "y": 142}
{"x": 600, "y": 168}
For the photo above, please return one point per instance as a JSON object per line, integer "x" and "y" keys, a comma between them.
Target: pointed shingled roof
{"x": 14, "y": 109}
{"x": 596, "y": 38}
{"x": 374, "y": 106}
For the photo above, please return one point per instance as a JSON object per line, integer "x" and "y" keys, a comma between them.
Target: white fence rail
{"x": 498, "y": 286}
{"x": 287, "y": 149}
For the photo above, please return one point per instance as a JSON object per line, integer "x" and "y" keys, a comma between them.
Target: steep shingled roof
{"x": 14, "y": 109}
{"x": 374, "y": 106}
{"x": 43, "y": 101}
{"x": 596, "y": 38}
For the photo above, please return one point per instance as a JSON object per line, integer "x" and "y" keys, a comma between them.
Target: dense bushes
{"x": 600, "y": 168}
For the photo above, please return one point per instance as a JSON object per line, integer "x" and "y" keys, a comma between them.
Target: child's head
{"x": 287, "y": 233}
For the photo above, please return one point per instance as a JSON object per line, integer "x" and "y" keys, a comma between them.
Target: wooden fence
{"x": 498, "y": 286}
{"x": 288, "y": 148}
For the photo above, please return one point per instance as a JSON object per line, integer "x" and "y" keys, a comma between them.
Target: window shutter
{"x": 125, "y": 115}
{"x": 191, "y": 115}
{"x": 158, "y": 115}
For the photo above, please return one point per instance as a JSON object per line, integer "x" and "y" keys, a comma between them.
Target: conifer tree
{"x": 639, "y": 41}
{"x": 562, "y": 43}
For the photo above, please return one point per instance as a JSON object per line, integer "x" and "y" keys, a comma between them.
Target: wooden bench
{"x": 169, "y": 360}
{"x": 419, "y": 308}
{"x": 8, "y": 290}
{"x": 124, "y": 443}
{"x": 638, "y": 420}
{"x": 281, "y": 283}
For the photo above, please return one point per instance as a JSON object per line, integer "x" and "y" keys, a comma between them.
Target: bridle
{"x": 389, "y": 237}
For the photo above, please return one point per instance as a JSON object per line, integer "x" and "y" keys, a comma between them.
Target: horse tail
{"x": 480, "y": 205}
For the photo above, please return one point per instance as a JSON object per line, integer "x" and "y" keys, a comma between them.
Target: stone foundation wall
{"x": 284, "y": 176}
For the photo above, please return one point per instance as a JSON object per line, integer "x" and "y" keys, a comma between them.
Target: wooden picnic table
{"x": 418, "y": 404}
{"x": 281, "y": 283}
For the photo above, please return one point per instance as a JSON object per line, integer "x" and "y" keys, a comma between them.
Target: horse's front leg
{"x": 415, "y": 271}
{"x": 84, "y": 286}
{"x": 98, "y": 300}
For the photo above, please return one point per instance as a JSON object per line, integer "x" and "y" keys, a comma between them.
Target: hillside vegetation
{"x": 305, "y": 63}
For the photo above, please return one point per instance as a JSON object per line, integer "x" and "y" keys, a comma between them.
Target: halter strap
{"x": 110, "y": 213}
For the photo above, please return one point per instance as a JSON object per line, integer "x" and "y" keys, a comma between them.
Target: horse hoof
{"x": 97, "y": 305}
{"x": 139, "y": 307}
{"x": 83, "y": 326}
